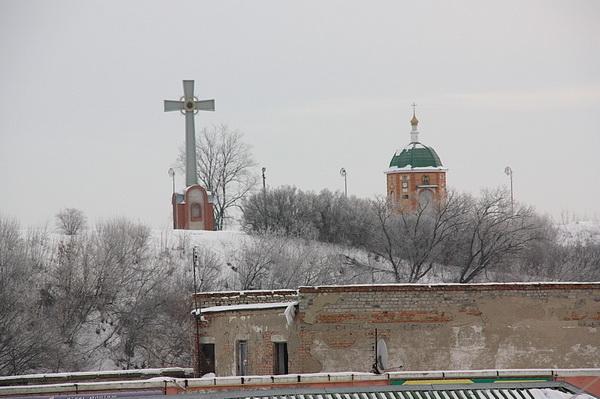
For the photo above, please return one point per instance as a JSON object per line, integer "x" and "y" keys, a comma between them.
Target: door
{"x": 280, "y": 358}
{"x": 242, "y": 357}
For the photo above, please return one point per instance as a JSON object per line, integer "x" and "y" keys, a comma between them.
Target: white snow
{"x": 579, "y": 232}
{"x": 290, "y": 312}
{"x": 547, "y": 393}
{"x": 155, "y": 371}
{"x": 520, "y": 283}
{"x": 409, "y": 168}
{"x": 246, "y": 306}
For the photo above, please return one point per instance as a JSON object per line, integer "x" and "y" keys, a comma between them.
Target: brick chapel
{"x": 416, "y": 175}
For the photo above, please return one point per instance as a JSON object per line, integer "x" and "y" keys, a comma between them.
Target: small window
{"x": 280, "y": 358}
{"x": 242, "y": 357}
{"x": 196, "y": 211}
{"x": 425, "y": 180}
{"x": 405, "y": 196}
{"x": 206, "y": 362}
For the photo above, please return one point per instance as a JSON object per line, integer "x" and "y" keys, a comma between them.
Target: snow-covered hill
{"x": 583, "y": 232}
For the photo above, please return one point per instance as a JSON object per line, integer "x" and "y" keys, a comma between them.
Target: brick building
{"x": 416, "y": 175}
{"x": 193, "y": 209}
{"x": 425, "y": 327}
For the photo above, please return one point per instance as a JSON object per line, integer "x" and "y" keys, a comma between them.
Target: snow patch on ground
{"x": 582, "y": 232}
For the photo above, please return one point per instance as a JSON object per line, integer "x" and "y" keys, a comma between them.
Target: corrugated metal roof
{"x": 549, "y": 390}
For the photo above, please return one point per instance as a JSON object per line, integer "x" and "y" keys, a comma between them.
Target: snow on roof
{"x": 279, "y": 292}
{"x": 409, "y": 168}
{"x": 464, "y": 285}
{"x": 245, "y": 306}
{"x": 154, "y": 371}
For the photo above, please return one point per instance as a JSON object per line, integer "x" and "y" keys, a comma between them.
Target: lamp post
{"x": 264, "y": 180}
{"x": 343, "y": 174}
{"x": 508, "y": 172}
{"x": 173, "y": 198}
{"x": 172, "y": 174}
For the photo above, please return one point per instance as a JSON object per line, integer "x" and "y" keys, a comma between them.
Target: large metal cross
{"x": 189, "y": 105}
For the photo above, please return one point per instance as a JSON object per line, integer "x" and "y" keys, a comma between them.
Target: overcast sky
{"x": 313, "y": 85}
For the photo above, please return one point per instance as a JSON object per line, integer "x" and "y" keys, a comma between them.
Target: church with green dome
{"x": 416, "y": 176}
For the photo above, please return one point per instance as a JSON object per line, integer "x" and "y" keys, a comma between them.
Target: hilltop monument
{"x": 416, "y": 175}
{"x": 192, "y": 209}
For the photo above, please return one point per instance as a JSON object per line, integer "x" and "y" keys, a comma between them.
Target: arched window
{"x": 196, "y": 211}
{"x": 425, "y": 180}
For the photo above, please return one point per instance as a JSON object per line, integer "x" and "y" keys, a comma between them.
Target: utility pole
{"x": 197, "y": 313}
{"x": 264, "y": 180}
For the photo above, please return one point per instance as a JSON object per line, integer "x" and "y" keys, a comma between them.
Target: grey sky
{"x": 314, "y": 86}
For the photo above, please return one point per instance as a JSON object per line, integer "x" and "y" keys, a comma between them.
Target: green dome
{"x": 416, "y": 155}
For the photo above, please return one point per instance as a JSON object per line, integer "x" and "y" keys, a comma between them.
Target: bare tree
{"x": 327, "y": 216}
{"x": 412, "y": 242}
{"x": 224, "y": 168}
{"x": 387, "y": 238}
{"x": 285, "y": 210}
{"x": 426, "y": 231}
{"x": 493, "y": 234}
{"x": 24, "y": 337}
{"x": 253, "y": 261}
{"x": 70, "y": 221}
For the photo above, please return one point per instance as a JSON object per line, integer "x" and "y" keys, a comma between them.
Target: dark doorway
{"x": 280, "y": 358}
{"x": 242, "y": 357}
{"x": 207, "y": 358}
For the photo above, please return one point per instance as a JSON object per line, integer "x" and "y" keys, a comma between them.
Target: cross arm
{"x": 205, "y": 105}
{"x": 173, "y": 105}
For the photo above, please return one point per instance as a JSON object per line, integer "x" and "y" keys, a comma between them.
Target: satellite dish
{"x": 382, "y": 355}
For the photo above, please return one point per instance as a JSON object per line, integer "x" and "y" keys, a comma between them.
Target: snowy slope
{"x": 582, "y": 231}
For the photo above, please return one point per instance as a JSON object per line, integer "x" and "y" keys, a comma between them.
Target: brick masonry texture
{"x": 426, "y": 327}
{"x": 245, "y": 297}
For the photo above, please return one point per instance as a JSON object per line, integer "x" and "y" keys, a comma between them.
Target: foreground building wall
{"x": 260, "y": 328}
{"x": 473, "y": 326}
{"x": 451, "y": 326}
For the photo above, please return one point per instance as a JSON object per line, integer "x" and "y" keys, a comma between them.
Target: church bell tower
{"x": 415, "y": 177}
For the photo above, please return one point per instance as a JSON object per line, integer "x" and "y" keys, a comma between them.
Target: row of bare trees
{"x": 88, "y": 299}
{"x": 115, "y": 295}
{"x": 461, "y": 239}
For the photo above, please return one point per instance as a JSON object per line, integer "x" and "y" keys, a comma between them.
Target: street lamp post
{"x": 173, "y": 198}
{"x": 508, "y": 171}
{"x": 172, "y": 174}
{"x": 343, "y": 174}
